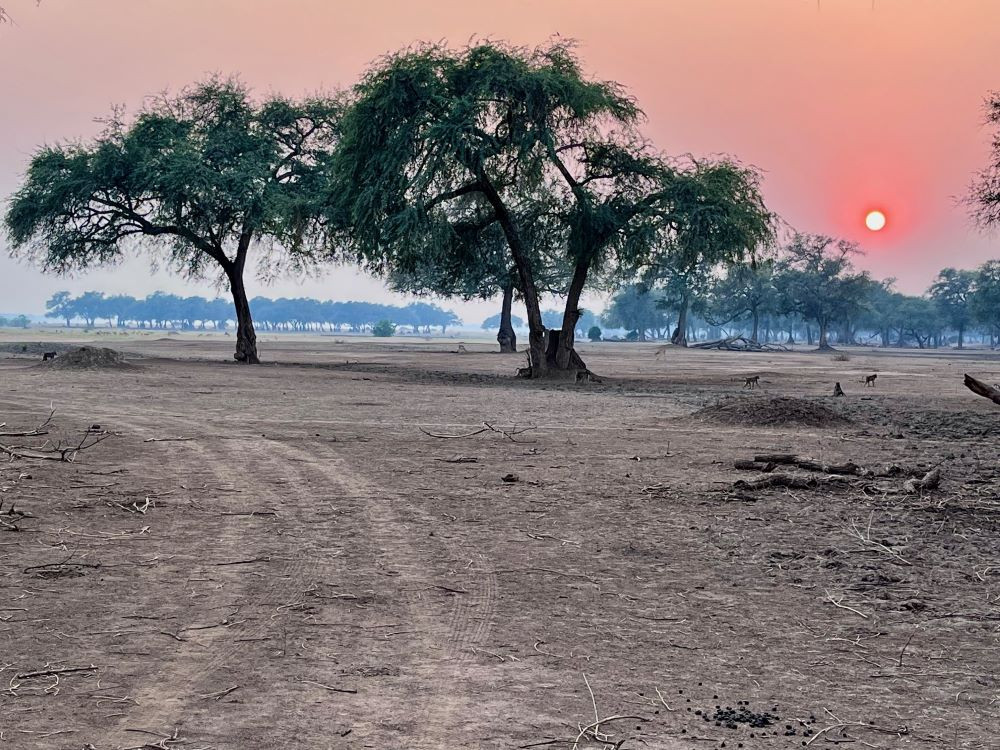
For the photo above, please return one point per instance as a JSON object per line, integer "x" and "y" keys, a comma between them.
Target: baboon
{"x": 751, "y": 383}
{"x": 462, "y": 349}
{"x": 660, "y": 352}
{"x": 870, "y": 380}
{"x": 46, "y": 356}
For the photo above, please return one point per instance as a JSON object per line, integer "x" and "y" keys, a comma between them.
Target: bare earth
{"x": 279, "y": 556}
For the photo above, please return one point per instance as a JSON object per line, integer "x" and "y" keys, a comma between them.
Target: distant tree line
{"x": 809, "y": 291}
{"x": 17, "y": 321}
{"x": 162, "y": 310}
{"x": 550, "y": 317}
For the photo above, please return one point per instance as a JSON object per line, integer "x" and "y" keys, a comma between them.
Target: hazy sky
{"x": 847, "y": 105}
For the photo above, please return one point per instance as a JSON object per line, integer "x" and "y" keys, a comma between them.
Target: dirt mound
{"x": 768, "y": 412}
{"x": 35, "y": 348}
{"x": 89, "y": 358}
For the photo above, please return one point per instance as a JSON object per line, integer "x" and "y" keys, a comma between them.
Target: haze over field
{"x": 848, "y": 107}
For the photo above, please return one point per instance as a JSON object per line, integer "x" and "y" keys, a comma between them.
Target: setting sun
{"x": 875, "y": 220}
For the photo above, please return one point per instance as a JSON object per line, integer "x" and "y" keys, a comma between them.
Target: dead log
{"x": 790, "y": 459}
{"x": 776, "y": 458}
{"x": 786, "y": 480}
{"x": 849, "y": 468}
{"x": 982, "y": 389}
{"x": 767, "y": 468}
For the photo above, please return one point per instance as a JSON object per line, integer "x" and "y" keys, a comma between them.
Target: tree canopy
{"x": 441, "y": 146}
{"x": 199, "y": 178}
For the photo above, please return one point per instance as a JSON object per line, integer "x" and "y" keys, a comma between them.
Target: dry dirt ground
{"x": 280, "y": 557}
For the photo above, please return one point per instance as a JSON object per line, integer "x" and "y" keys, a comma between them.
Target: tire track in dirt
{"x": 437, "y": 701}
{"x": 194, "y": 670}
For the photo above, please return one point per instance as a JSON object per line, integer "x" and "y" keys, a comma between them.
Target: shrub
{"x": 384, "y": 329}
{"x": 632, "y": 336}
{"x": 594, "y": 334}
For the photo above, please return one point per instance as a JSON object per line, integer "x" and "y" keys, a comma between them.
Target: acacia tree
{"x": 438, "y": 142}
{"x": 986, "y": 298}
{"x": 713, "y": 216}
{"x": 952, "y": 291}
{"x": 984, "y": 195}
{"x": 201, "y": 178}
{"x": 818, "y": 281}
{"x": 746, "y": 290}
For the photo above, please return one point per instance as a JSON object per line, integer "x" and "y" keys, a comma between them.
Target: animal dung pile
{"x": 772, "y": 412}
{"x": 90, "y": 358}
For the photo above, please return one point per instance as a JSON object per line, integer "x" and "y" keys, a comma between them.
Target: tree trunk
{"x": 823, "y": 344}
{"x": 506, "y": 336}
{"x": 565, "y": 357}
{"x": 536, "y": 328}
{"x": 756, "y": 325}
{"x": 679, "y": 337}
{"x": 961, "y": 337}
{"x": 246, "y": 337}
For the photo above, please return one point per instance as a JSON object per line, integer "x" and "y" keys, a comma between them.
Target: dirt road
{"x": 281, "y": 557}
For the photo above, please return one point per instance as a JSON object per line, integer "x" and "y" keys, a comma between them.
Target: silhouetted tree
{"x": 818, "y": 281}
{"x": 951, "y": 292}
{"x": 203, "y": 176}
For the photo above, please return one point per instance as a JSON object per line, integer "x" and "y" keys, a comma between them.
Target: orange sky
{"x": 845, "y": 106}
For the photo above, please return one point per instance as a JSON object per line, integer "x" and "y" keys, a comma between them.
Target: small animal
{"x": 660, "y": 353}
{"x": 870, "y": 380}
{"x": 752, "y": 382}
{"x": 46, "y": 356}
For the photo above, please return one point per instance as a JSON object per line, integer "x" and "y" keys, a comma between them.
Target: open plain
{"x": 316, "y": 552}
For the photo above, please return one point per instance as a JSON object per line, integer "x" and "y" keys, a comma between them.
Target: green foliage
{"x": 200, "y": 172}
{"x": 634, "y": 308}
{"x": 594, "y": 333}
{"x": 199, "y": 177}
{"x": 448, "y": 156}
{"x": 816, "y": 280}
{"x": 986, "y": 298}
{"x": 493, "y": 322}
{"x": 744, "y": 290}
{"x": 952, "y": 292}
{"x": 384, "y": 329}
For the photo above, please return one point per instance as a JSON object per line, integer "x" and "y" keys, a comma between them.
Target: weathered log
{"x": 982, "y": 389}
{"x": 790, "y": 459}
{"x": 776, "y": 458}
{"x": 786, "y": 480}
{"x": 754, "y": 466}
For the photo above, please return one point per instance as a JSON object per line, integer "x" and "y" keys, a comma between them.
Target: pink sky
{"x": 845, "y": 106}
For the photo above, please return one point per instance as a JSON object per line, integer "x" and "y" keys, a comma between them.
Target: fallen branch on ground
{"x": 57, "y": 451}
{"x": 980, "y": 388}
{"x": 34, "y": 431}
{"x": 786, "y": 480}
{"x": 48, "y": 672}
{"x": 739, "y": 344}
{"x": 487, "y": 427}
